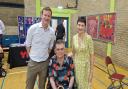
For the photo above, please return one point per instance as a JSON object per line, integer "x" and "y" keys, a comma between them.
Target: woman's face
{"x": 81, "y": 27}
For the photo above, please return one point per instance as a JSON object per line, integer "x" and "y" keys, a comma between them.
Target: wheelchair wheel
{"x": 3, "y": 73}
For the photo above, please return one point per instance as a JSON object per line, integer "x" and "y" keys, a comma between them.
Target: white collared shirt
{"x": 2, "y": 27}
{"x": 40, "y": 41}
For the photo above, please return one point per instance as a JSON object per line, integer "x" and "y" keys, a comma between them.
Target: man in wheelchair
{"x": 61, "y": 68}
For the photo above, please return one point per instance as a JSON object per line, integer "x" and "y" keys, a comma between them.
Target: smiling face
{"x": 81, "y": 27}
{"x": 59, "y": 50}
{"x": 46, "y": 17}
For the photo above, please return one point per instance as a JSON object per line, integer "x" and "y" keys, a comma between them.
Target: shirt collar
{"x": 40, "y": 25}
{"x": 65, "y": 59}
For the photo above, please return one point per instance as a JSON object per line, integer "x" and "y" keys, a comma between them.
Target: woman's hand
{"x": 70, "y": 54}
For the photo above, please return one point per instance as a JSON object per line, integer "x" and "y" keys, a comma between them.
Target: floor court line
{"x": 3, "y": 81}
{"x": 16, "y": 72}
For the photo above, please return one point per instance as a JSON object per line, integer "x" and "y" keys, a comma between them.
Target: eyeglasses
{"x": 57, "y": 49}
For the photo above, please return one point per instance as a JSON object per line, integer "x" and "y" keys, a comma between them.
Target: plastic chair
{"x": 113, "y": 75}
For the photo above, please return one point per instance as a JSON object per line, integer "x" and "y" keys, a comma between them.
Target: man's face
{"x": 59, "y": 50}
{"x": 46, "y": 17}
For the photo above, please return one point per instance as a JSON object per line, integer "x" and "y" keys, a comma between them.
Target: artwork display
{"x": 102, "y": 26}
{"x": 23, "y": 24}
{"x": 107, "y": 27}
{"x": 28, "y": 21}
{"x": 92, "y": 26}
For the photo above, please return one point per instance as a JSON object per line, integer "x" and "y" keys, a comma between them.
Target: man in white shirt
{"x": 2, "y": 29}
{"x": 39, "y": 41}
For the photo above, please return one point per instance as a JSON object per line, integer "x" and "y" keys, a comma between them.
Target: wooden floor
{"x": 16, "y": 77}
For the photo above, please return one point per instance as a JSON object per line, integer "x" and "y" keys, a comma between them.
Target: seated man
{"x": 61, "y": 68}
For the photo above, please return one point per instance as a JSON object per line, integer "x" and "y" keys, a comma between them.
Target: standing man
{"x": 39, "y": 42}
{"x": 2, "y": 29}
{"x": 60, "y": 31}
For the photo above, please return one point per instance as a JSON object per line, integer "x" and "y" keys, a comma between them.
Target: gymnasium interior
{"x": 112, "y": 42}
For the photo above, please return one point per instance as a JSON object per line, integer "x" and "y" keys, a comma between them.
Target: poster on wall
{"x": 107, "y": 27}
{"x": 92, "y": 26}
{"x": 28, "y": 21}
{"x": 23, "y": 25}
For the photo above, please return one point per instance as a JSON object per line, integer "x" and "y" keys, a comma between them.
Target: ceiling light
{"x": 60, "y": 7}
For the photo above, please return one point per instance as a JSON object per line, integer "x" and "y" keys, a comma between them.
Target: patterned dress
{"x": 62, "y": 73}
{"x": 82, "y": 50}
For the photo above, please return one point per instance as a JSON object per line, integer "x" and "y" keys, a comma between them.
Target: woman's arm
{"x": 91, "y": 67}
{"x": 92, "y": 59}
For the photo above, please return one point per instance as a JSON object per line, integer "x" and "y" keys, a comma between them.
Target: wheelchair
{"x": 2, "y": 70}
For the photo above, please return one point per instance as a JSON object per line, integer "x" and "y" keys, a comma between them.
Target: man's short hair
{"x": 47, "y": 9}
{"x": 59, "y": 42}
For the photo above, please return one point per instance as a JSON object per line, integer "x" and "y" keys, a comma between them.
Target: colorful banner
{"x": 107, "y": 27}
{"x": 92, "y": 26}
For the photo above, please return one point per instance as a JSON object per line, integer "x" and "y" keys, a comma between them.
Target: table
{"x": 6, "y": 49}
{"x": 17, "y": 56}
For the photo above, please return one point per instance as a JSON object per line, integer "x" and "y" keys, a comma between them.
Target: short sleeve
{"x": 50, "y": 69}
{"x": 71, "y": 66}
